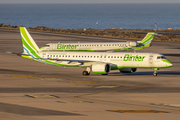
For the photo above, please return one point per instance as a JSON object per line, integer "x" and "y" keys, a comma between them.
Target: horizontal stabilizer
{"x": 19, "y": 54}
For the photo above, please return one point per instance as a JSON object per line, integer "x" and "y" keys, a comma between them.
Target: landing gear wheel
{"x": 155, "y": 71}
{"x": 85, "y": 73}
{"x": 154, "y": 74}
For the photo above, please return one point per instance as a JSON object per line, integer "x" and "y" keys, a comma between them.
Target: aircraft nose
{"x": 168, "y": 62}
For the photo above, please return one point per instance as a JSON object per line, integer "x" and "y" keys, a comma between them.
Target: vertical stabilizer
{"x": 148, "y": 38}
{"x": 29, "y": 45}
{"x": 146, "y": 41}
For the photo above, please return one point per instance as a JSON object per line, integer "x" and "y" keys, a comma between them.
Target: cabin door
{"x": 151, "y": 60}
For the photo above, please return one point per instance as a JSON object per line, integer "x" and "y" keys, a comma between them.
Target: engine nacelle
{"x": 128, "y": 70}
{"x": 45, "y": 47}
{"x": 133, "y": 44}
{"x": 101, "y": 68}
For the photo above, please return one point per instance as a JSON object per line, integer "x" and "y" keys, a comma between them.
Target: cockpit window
{"x": 46, "y": 45}
{"x": 161, "y": 57}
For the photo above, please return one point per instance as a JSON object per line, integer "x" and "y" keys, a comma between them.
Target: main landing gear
{"x": 87, "y": 72}
{"x": 155, "y": 71}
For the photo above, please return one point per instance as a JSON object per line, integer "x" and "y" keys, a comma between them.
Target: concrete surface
{"x": 34, "y": 91}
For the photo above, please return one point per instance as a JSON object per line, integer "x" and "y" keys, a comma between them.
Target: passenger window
{"x": 46, "y": 45}
{"x": 53, "y": 55}
{"x": 114, "y": 56}
{"x": 104, "y": 56}
{"x": 111, "y": 56}
{"x": 108, "y": 56}
{"x": 158, "y": 57}
{"x": 69, "y": 56}
{"x": 163, "y": 57}
{"x": 97, "y": 56}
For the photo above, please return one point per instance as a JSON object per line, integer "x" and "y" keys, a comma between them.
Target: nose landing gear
{"x": 155, "y": 71}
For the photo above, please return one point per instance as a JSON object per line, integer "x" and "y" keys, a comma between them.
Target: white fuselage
{"x": 90, "y": 46}
{"x": 120, "y": 60}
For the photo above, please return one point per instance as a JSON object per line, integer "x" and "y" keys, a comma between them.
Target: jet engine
{"x": 133, "y": 44}
{"x": 101, "y": 68}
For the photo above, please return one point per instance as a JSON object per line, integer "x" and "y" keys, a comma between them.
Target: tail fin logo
{"x": 148, "y": 37}
{"x": 29, "y": 46}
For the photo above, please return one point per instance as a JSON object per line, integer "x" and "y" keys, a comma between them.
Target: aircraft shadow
{"x": 147, "y": 73}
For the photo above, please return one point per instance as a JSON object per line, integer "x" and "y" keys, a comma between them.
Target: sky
{"x": 89, "y": 1}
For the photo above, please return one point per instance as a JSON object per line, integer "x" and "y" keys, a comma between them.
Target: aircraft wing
{"x": 70, "y": 60}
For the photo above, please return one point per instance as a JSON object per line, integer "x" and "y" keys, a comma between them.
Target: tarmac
{"x": 31, "y": 90}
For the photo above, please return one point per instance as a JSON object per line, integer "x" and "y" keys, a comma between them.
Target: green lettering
{"x": 126, "y": 57}
{"x": 59, "y": 46}
{"x": 68, "y": 46}
{"x": 72, "y": 46}
{"x": 136, "y": 58}
{"x": 64, "y": 46}
{"x": 143, "y": 58}
{"x": 130, "y": 57}
{"x": 76, "y": 46}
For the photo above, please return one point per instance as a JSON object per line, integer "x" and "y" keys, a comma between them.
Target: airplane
{"x": 101, "y": 46}
{"x": 97, "y": 62}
